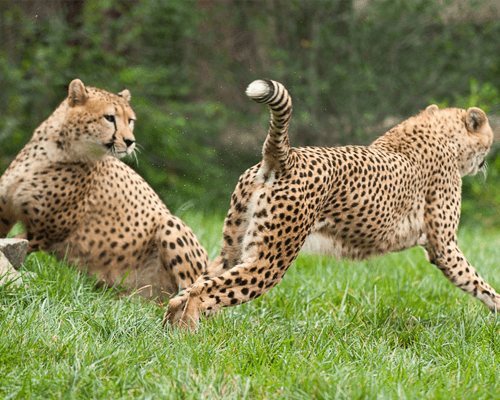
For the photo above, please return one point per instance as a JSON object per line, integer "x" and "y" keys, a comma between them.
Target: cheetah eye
{"x": 110, "y": 118}
{"x": 131, "y": 122}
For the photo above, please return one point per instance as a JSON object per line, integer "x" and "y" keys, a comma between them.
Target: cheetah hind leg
{"x": 23, "y": 235}
{"x": 183, "y": 258}
{"x": 234, "y": 286}
{"x": 265, "y": 259}
{"x": 6, "y": 224}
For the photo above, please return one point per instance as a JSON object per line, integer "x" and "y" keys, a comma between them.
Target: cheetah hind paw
{"x": 175, "y": 308}
{"x": 180, "y": 315}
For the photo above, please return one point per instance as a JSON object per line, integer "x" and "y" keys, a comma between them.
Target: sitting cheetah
{"x": 77, "y": 199}
{"x": 403, "y": 190}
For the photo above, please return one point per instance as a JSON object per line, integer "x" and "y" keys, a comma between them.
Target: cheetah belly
{"x": 326, "y": 244}
{"x": 406, "y": 232}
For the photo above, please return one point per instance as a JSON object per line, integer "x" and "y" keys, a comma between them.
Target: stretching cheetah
{"x": 403, "y": 190}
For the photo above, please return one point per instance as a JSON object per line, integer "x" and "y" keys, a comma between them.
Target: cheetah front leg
{"x": 462, "y": 274}
{"x": 441, "y": 222}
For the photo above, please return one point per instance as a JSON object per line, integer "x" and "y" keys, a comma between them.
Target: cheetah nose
{"x": 129, "y": 142}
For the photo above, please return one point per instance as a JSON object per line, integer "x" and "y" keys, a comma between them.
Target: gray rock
{"x": 7, "y": 272}
{"x": 15, "y": 250}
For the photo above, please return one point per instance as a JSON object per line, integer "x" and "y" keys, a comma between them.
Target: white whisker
{"x": 484, "y": 170}
{"x": 134, "y": 154}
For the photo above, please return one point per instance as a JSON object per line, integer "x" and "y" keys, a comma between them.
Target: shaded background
{"x": 354, "y": 69}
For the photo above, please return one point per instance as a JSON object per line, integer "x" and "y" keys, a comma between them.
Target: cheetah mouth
{"x": 121, "y": 154}
{"x": 481, "y": 164}
{"x": 118, "y": 152}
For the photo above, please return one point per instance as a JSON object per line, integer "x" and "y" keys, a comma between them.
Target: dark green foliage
{"x": 114, "y": 45}
{"x": 187, "y": 64}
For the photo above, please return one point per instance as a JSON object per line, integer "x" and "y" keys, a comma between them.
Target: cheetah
{"x": 402, "y": 190}
{"x": 77, "y": 199}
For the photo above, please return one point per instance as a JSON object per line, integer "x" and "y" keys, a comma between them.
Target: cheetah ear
{"x": 432, "y": 108}
{"x": 475, "y": 119}
{"x": 125, "y": 94}
{"x": 77, "y": 93}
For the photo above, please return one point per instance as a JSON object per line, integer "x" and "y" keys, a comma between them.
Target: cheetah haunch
{"x": 401, "y": 191}
{"x": 77, "y": 199}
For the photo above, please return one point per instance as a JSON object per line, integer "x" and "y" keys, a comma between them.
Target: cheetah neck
{"x": 52, "y": 125}
{"x": 49, "y": 141}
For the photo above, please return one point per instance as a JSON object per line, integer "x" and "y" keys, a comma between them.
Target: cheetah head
{"x": 470, "y": 134}
{"x": 97, "y": 123}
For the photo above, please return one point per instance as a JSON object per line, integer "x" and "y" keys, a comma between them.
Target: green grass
{"x": 392, "y": 327}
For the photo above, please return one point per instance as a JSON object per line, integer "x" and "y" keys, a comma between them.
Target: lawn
{"x": 391, "y": 327}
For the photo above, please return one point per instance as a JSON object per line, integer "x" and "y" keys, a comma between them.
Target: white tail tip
{"x": 257, "y": 89}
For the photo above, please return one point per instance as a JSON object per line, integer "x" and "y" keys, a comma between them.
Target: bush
{"x": 187, "y": 65}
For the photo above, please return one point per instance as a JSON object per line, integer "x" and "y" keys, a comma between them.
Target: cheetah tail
{"x": 277, "y": 145}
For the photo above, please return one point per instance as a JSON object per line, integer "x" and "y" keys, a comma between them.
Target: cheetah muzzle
{"x": 403, "y": 190}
